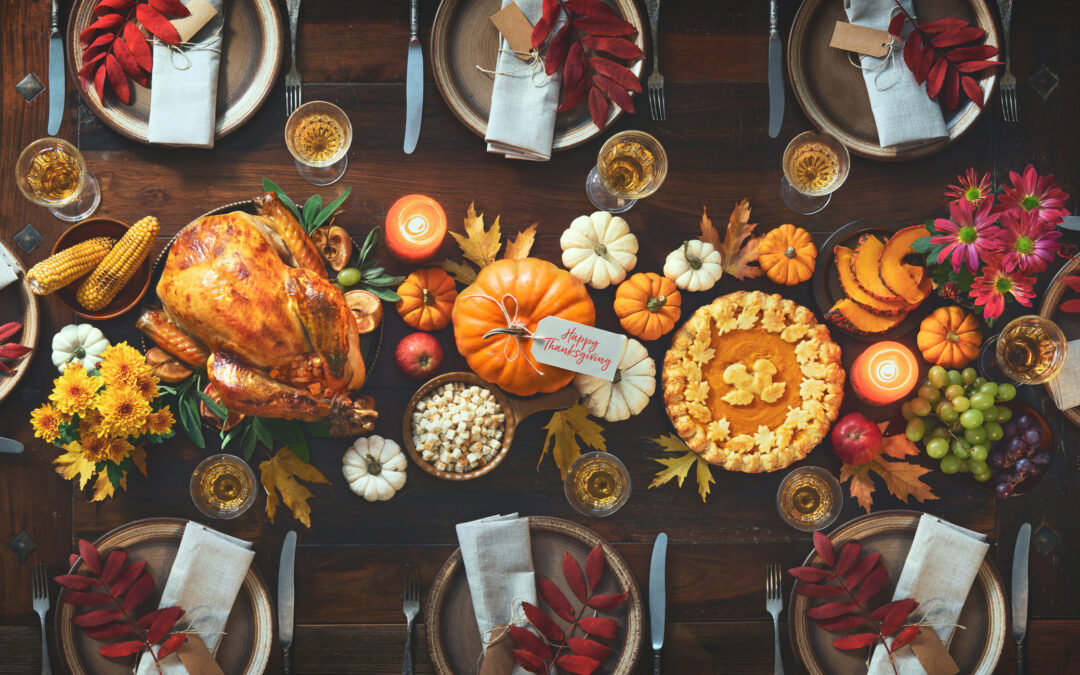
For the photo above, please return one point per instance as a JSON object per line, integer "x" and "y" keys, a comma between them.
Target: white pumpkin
{"x": 694, "y": 266}
{"x": 78, "y": 342}
{"x": 599, "y": 249}
{"x": 629, "y": 393}
{"x": 375, "y": 468}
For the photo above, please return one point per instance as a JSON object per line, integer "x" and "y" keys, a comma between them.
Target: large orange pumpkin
{"x": 497, "y": 345}
{"x": 949, "y": 337}
{"x": 427, "y": 298}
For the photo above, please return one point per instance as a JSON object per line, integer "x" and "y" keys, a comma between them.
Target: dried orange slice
{"x": 367, "y": 308}
{"x": 208, "y": 415}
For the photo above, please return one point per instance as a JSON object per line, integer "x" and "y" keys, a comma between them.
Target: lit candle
{"x": 884, "y": 373}
{"x": 415, "y": 227}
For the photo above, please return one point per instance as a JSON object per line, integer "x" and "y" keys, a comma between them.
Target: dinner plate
{"x": 1056, "y": 293}
{"x": 453, "y": 637}
{"x": 831, "y": 90}
{"x": 249, "y": 633}
{"x": 975, "y": 649}
{"x": 463, "y": 37}
{"x": 250, "y": 62}
{"x": 18, "y": 303}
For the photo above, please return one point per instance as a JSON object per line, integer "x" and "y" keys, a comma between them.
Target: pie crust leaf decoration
{"x": 678, "y": 465}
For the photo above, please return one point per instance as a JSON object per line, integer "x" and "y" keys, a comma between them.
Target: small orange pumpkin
{"x": 496, "y": 314}
{"x": 427, "y": 299}
{"x": 648, "y": 305}
{"x": 949, "y": 337}
{"x": 788, "y": 255}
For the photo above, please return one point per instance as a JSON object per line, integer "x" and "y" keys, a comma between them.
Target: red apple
{"x": 418, "y": 355}
{"x": 856, "y": 439}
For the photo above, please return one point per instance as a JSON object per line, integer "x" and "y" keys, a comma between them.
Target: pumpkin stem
{"x": 790, "y": 252}
{"x": 656, "y": 304}
{"x": 78, "y": 353}
{"x": 373, "y": 466}
{"x": 618, "y": 376}
{"x": 427, "y": 298}
{"x": 517, "y": 330}
{"x": 694, "y": 261}
{"x": 601, "y": 251}
{"x": 952, "y": 336}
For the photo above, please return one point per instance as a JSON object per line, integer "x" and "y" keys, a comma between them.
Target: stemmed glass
{"x": 597, "y": 484}
{"x": 51, "y": 172}
{"x": 318, "y": 135}
{"x": 631, "y": 166}
{"x": 1030, "y": 349}
{"x": 815, "y": 166}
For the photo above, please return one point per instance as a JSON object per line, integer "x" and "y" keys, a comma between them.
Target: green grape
{"x": 950, "y": 464}
{"x": 989, "y": 388}
{"x": 938, "y": 432}
{"x": 920, "y": 406}
{"x": 960, "y": 448}
{"x": 938, "y": 377}
{"x": 906, "y": 411}
{"x": 982, "y": 401}
{"x": 931, "y": 394}
{"x": 954, "y": 391}
{"x": 979, "y": 382}
{"x": 977, "y": 466}
{"x": 990, "y": 414}
{"x": 976, "y": 435}
{"x": 1006, "y": 392}
{"x": 350, "y": 276}
{"x": 994, "y": 432}
{"x": 968, "y": 375}
{"x": 915, "y": 430}
{"x": 961, "y": 403}
{"x": 947, "y": 412}
{"x": 982, "y": 477}
{"x": 971, "y": 419}
{"x": 1004, "y": 414}
{"x": 953, "y": 376}
{"x": 979, "y": 451}
{"x": 937, "y": 448}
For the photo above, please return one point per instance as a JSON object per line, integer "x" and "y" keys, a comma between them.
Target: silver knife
{"x": 286, "y": 598}
{"x": 414, "y": 82}
{"x": 1020, "y": 593}
{"x": 10, "y": 445}
{"x": 776, "y": 75}
{"x": 56, "y": 72}
{"x": 657, "y": 597}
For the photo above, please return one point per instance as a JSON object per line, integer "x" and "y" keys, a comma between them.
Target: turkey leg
{"x": 155, "y": 324}
{"x": 281, "y": 220}
{"x": 330, "y": 328}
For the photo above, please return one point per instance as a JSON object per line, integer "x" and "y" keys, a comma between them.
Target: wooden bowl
{"x": 514, "y": 411}
{"x": 18, "y": 304}
{"x": 129, "y": 295}
{"x": 1019, "y": 408}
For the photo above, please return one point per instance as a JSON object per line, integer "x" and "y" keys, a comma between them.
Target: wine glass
{"x": 631, "y": 166}
{"x": 223, "y": 486}
{"x": 809, "y": 498}
{"x": 318, "y": 135}
{"x": 815, "y": 166}
{"x": 597, "y": 484}
{"x": 51, "y": 172}
{"x": 1030, "y": 350}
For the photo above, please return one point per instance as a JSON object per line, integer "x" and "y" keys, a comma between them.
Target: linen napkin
{"x": 184, "y": 87}
{"x": 521, "y": 124}
{"x": 8, "y": 268}
{"x": 497, "y": 552}
{"x": 205, "y": 578}
{"x": 938, "y": 573}
{"x": 903, "y": 113}
{"x": 1065, "y": 387}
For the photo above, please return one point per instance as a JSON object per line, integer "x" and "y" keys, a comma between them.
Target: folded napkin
{"x": 8, "y": 268}
{"x": 521, "y": 124}
{"x": 497, "y": 553}
{"x": 184, "y": 87}
{"x": 1065, "y": 387}
{"x": 938, "y": 573}
{"x": 903, "y": 113}
{"x": 205, "y": 578}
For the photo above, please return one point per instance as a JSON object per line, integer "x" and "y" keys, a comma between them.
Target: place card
{"x": 499, "y": 654}
{"x": 932, "y": 653}
{"x": 577, "y": 347}
{"x": 201, "y": 13}
{"x": 196, "y": 658}
{"x": 515, "y": 29}
{"x": 860, "y": 39}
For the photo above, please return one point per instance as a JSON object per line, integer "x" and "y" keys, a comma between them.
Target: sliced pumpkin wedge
{"x": 894, "y": 274}
{"x": 857, "y": 294}
{"x": 865, "y": 263}
{"x": 853, "y": 318}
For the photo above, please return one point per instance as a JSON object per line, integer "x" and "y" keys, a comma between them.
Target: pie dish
{"x": 752, "y": 382}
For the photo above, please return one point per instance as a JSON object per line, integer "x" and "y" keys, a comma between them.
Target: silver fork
{"x": 1008, "y": 81}
{"x": 412, "y": 608}
{"x": 39, "y": 584}
{"x": 774, "y": 603}
{"x": 292, "y": 78}
{"x": 656, "y": 80}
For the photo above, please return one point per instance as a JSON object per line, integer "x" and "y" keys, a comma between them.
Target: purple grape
{"x": 1009, "y": 430}
{"x": 1041, "y": 458}
{"x": 1004, "y": 490}
{"x": 996, "y": 459}
{"x": 1025, "y": 467}
{"x": 1033, "y": 437}
{"x": 1024, "y": 422}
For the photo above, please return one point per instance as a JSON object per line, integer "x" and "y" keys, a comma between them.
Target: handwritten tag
{"x": 860, "y": 39}
{"x": 932, "y": 653}
{"x": 515, "y": 29}
{"x": 196, "y": 657}
{"x": 576, "y": 347}
{"x": 201, "y": 13}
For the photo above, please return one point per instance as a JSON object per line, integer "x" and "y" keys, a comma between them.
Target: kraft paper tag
{"x": 498, "y": 657}
{"x": 201, "y": 13}
{"x": 932, "y": 653}
{"x": 576, "y": 347}
{"x": 860, "y": 39}
{"x": 515, "y": 29}
{"x": 197, "y": 658}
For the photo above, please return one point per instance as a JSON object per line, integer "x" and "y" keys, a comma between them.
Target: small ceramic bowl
{"x": 129, "y": 295}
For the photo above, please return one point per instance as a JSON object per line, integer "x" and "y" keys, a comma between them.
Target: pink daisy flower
{"x": 1034, "y": 193}
{"x": 971, "y": 188}
{"x": 970, "y": 236}
{"x": 1029, "y": 244}
{"x": 990, "y": 289}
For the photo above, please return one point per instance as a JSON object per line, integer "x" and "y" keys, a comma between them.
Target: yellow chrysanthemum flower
{"x": 75, "y": 391}
{"x": 123, "y": 364}
{"x": 46, "y": 421}
{"x": 147, "y": 386}
{"x": 123, "y": 411}
{"x": 159, "y": 422}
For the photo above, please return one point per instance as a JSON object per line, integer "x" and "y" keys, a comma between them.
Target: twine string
{"x": 534, "y": 64}
{"x": 514, "y": 328}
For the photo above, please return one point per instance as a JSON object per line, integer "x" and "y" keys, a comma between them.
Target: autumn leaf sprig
{"x": 902, "y": 479}
{"x": 738, "y": 250}
{"x": 480, "y": 246}
{"x": 678, "y": 464}
{"x": 563, "y": 431}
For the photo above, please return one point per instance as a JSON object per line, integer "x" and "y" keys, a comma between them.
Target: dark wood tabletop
{"x": 350, "y": 562}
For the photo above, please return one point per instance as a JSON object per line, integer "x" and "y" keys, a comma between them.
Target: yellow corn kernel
{"x": 119, "y": 265}
{"x": 63, "y": 267}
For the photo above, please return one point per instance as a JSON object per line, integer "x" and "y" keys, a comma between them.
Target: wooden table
{"x": 349, "y": 564}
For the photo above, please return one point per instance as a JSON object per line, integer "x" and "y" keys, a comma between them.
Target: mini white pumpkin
{"x": 694, "y": 266}
{"x": 78, "y": 342}
{"x": 599, "y": 249}
{"x": 629, "y": 393}
{"x": 374, "y": 467}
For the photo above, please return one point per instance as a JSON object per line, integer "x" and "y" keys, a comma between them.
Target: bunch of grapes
{"x": 957, "y": 416}
{"x": 1020, "y": 455}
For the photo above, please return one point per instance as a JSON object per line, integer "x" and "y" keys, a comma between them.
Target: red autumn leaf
{"x": 157, "y": 24}
{"x": 589, "y": 7}
{"x": 620, "y": 47}
{"x": 608, "y": 26}
{"x": 972, "y": 89}
{"x": 171, "y": 645}
{"x": 545, "y": 23}
{"x": 556, "y": 51}
{"x": 90, "y": 556}
{"x": 72, "y": 559}
{"x": 856, "y": 641}
{"x": 127, "y": 577}
{"x": 139, "y": 47}
{"x": 819, "y": 590}
{"x": 941, "y": 25}
{"x": 811, "y": 574}
{"x": 610, "y": 601}
{"x": 590, "y": 648}
{"x": 875, "y": 581}
{"x": 10, "y": 328}
{"x": 977, "y": 66}
{"x": 85, "y": 71}
{"x": 574, "y": 96}
{"x": 88, "y": 599}
{"x": 543, "y": 623}
{"x": 1070, "y": 306}
{"x": 98, "y": 617}
{"x": 861, "y": 569}
{"x": 936, "y": 79}
{"x": 1072, "y": 281}
{"x": 106, "y": 6}
{"x": 973, "y": 53}
{"x": 824, "y": 549}
{"x": 913, "y": 51}
{"x": 127, "y": 62}
{"x": 575, "y": 578}
{"x": 904, "y": 637}
{"x": 880, "y": 613}
{"x": 555, "y": 598}
{"x": 529, "y": 641}
{"x": 76, "y": 582}
{"x": 951, "y": 89}
{"x": 100, "y": 42}
{"x": 140, "y": 590}
{"x": 163, "y": 623}
{"x": 578, "y": 664}
{"x": 896, "y": 25}
{"x": 841, "y": 624}
{"x": 599, "y": 625}
{"x": 616, "y": 93}
{"x": 598, "y": 107}
{"x": 109, "y": 631}
{"x": 617, "y": 72}
{"x": 896, "y": 616}
{"x": 830, "y": 610}
{"x": 148, "y": 619}
{"x": 528, "y": 661}
{"x": 926, "y": 62}
{"x": 958, "y": 36}
{"x": 107, "y": 22}
{"x": 114, "y": 562}
{"x": 594, "y": 564}
{"x": 171, "y": 7}
{"x": 117, "y": 79}
{"x": 121, "y": 649}
{"x": 848, "y": 555}
{"x": 574, "y": 70}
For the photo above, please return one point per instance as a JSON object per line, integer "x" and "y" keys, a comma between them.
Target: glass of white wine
{"x": 223, "y": 486}
{"x": 815, "y": 166}
{"x": 51, "y": 173}
{"x": 809, "y": 498}
{"x": 597, "y": 484}
{"x": 631, "y": 166}
{"x": 318, "y": 135}
{"x": 1030, "y": 349}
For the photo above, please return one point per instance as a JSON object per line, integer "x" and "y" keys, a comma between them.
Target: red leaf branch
{"x": 10, "y": 350}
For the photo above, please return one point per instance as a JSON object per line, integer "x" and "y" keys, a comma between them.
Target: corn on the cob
{"x": 63, "y": 267}
{"x": 119, "y": 265}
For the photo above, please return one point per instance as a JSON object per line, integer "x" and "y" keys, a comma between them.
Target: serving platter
{"x": 18, "y": 303}
{"x": 1069, "y": 323}
{"x": 453, "y": 638}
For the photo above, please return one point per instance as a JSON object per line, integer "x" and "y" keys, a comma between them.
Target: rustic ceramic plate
{"x": 976, "y": 649}
{"x": 463, "y": 38}
{"x": 132, "y": 292}
{"x": 250, "y": 61}
{"x": 1056, "y": 293}
{"x": 18, "y": 303}
{"x": 249, "y": 633}
{"x": 452, "y": 635}
{"x": 833, "y": 95}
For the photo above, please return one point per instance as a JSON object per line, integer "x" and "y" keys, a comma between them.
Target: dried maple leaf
{"x": 462, "y": 273}
{"x": 902, "y": 479}
{"x": 519, "y": 247}
{"x": 479, "y": 246}
{"x": 679, "y": 467}
{"x": 72, "y": 463}
{"x": 737, "y": 250}
{"x": 563, "y": 431}
{"x": 281, "y": 473}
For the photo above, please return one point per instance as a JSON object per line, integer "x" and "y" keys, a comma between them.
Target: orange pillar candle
{"x": 884, "y": 373}
{"x": 415, "y": 227}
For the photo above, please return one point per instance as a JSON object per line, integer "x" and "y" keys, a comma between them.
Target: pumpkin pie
{"x": 753, "y": 382}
